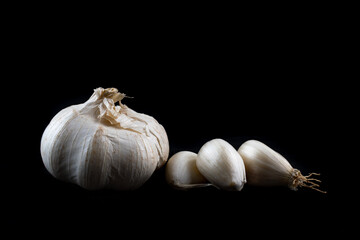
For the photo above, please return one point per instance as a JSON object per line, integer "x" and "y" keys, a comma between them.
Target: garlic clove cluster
{"x": 181, "y": 171}
{"x": 98, "y": 144}
{"x": 219, "y": 164}
{"x": 266, "y": 167}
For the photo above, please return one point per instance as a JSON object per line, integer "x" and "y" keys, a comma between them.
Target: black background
{"x": 202, "y": 76}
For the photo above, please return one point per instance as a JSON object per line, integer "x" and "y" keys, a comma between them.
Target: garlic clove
{"x": 266, "y": 167}
{"x": 221, "y": 165}
{"x": 181, "y": 171}
{"x": 263, "y": 165}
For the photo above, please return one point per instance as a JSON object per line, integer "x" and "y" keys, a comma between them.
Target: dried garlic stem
{"x": 298, "y": 180}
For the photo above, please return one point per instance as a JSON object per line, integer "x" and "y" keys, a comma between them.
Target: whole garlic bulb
{"x": 222, "y": 165}
{"x": 100, "y": 145}
{"x": 181, "y": 171}
{"x": 265, "y": 167}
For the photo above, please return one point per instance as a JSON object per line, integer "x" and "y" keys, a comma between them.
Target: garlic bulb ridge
{"x": 100, "y": 145}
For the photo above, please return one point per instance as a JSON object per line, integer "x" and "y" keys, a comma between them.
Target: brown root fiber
{"x": 298, "y": 180}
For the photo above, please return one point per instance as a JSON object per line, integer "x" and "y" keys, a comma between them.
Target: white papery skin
{"x": 264, "y": 166}
{"x": 99, "y": 145}
{"x": 222, "y": 165}
{"x": 181, "y": 171}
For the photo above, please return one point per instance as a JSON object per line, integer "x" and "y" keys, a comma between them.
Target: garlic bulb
{"x": 100, "y": 145}
{"x": 265, "y": 167}
{"x": 181, "y": 171}
{"x": 222, "y": 165}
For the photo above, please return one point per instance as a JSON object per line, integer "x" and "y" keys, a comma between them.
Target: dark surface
{"x": 215, "y": 107}
{"x": 274, "y": 87}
